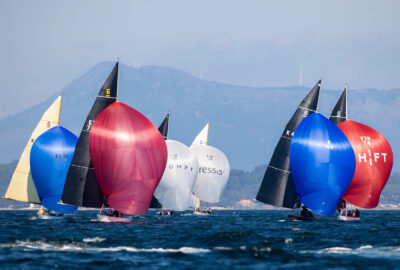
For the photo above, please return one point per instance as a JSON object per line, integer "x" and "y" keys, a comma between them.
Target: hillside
{"x": 245, "y": 122}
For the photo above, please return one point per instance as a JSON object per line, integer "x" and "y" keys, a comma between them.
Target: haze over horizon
{"x": 46, "y": 44}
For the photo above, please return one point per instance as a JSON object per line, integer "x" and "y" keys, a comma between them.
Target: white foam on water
{"x": 39, "y": 245}
{"x": 366, "y": 246}
{"x": 366, "y": 251}
{"x": 281, "y": 220}
{"x": 93, "y": 240}
{"x": 335, "y": 250}
{"x": 288, "y": 241}
{"x": 296, "y": 229}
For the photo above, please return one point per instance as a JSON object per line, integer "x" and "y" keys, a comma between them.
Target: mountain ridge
{"x": 246, "y": 122}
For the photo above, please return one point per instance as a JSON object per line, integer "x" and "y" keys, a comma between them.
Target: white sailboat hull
{"x": 345, "y": 218}
{"x": 109, "y": 219}
{"x": 49, "y": 217}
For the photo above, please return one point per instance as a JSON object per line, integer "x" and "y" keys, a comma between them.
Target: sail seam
{"x": 82, "y": 166}
{"x": 338, "y": 116}
{"x": 307, "y": 109}
{"x": 278, "y": 169}
{"x": 107, "y": 97}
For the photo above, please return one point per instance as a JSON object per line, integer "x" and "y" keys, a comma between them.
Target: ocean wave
{"x": 366, "y": 251}
{"x": 48, "y": 246}
{"x": 93, "y": 240}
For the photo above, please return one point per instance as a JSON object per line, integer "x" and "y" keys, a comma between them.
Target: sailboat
{"x": 129, "y": 156}
{"x": 374, "y": 162}
{"x": 21, "y": 187}
{"x": 50, "y": 158}
{"x": 369, "y": 180}
{"x": 176, "y": 185}
{"x": 213, "y": 172}
{"x": 322, "y": 163}
{"x": 277, "y": 187}
{"x": 81, "y": 186}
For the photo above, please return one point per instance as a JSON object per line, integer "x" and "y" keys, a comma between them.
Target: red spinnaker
{"x": 129, "y": 157}
{"x": 374, "y": 161}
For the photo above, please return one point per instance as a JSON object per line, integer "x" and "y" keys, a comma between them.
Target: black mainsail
{"x": 339, "y": 112}
{"x": 81, "y": 187}
{"x": 338, "y": 115}
{"x": 277, "y": 187}
{"x": 163, "y": 128}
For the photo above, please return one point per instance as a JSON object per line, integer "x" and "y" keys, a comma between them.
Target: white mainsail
{"x": 21, "y": 187}
{"x": 213, "y": 173}
{"x": 202, "y": 137}
{"x": 176, "y": 184}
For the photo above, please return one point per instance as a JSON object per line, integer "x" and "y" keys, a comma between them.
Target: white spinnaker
{"x": 202, "y": 137}
{"x": 176, "y": 184}
{"x": 21, "y": 186}
{"x": 213, "y": 173}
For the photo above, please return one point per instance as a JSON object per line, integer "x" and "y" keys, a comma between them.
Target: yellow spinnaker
{"x": 21, "y": 187}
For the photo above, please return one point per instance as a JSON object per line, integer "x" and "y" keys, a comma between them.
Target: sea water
{"x": 224, "y": 240}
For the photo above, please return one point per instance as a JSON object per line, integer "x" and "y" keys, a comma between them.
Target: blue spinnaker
{"x": 322, "y": 161}
{"x": 51, "y": 155}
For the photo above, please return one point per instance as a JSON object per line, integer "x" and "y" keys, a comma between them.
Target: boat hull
{"x": 49, "y": 217}
{"x": 202, "y": 213}
{"x": 346, "y": 218}
{"x": 104, "y": 218}
{"x": 298, "y": 217}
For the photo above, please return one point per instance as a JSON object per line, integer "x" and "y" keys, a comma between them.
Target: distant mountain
{"x": 245, "y": 122}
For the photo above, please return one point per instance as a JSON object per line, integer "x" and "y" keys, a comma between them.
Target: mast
{"x": 21, "y": 187}
{"x": 339, "y": 112}
{"x": 81, "y": 186}
{"x": 277, "y": 187}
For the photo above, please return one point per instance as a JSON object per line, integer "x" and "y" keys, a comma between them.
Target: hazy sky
{"x": 47, "y": 44}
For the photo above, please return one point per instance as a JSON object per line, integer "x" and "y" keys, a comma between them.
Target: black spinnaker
{"x": 339, "y": 112}
{"x": 277, "y": 187}
{"x": 81, "y": 187}
{"x": 163, "y": 128}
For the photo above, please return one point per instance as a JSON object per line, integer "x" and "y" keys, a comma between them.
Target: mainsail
{"x": 129, "y": 157}
{"x": 21, "y": 187}
{"x": 374, "y": 161}
{"x": 81, "y": 187}
{"x": 214, "y": 169}
{"x": 322, "y": 163}
{"x": 277, "y": 187}
{"x": 339, "y": 112}
{"x": 51, "y": 156}
{"x": 163, "y": 128}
